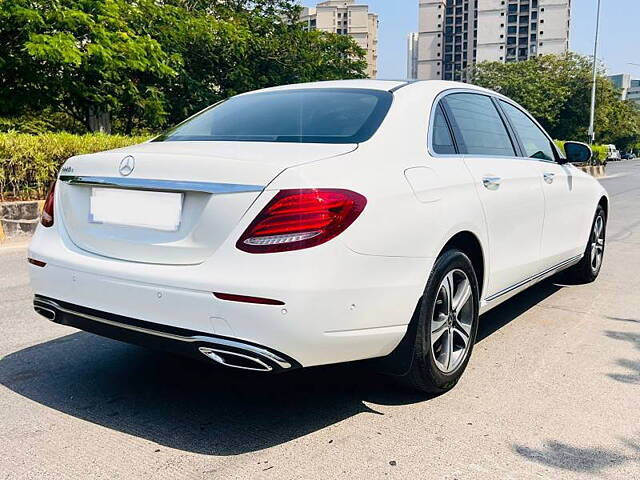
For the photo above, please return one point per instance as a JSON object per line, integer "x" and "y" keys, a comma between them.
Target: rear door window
{"x": 479, "y": 129}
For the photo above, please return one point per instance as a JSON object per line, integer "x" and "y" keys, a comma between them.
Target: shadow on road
{"x": 194, "y": 406}
{"x": 576, "y": 459}
{"x": 501, "y": 315}
{"x": 633, "y": 366}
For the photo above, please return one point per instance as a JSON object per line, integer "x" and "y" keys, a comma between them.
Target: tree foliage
{"x": 145, "y": 63}
{"x": 557, "y": 92}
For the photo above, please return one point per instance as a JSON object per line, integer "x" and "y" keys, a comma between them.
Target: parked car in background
{"x": 613, "y": 153}
{"x": 320, "y": 223}
{"x": 628, "y": 156}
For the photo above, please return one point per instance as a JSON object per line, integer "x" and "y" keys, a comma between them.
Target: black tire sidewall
{"x": 450, "y": 260}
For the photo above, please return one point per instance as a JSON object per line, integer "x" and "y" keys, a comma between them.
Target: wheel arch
{"x": 467, "y": 242}
{"x": 398, "y": 362}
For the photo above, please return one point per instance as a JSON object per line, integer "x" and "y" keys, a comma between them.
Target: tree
{"x": 80, "y": 57}
{"x": 557, "y": 92}
{"x": 131, "y": 65}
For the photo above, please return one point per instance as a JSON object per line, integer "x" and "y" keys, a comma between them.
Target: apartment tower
{"x": 412, "y": 55}
{"x": 345, "y": 17}
{"x": 456, "y": 34}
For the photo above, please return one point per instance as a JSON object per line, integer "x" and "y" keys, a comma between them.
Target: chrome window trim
{"x": 497, "y": 96}
{"x": 199, "y": 338}
{"x": 160, "y": 185}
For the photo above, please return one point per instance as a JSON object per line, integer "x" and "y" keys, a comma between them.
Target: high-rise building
{"x": 457, "y": 34}
{"x": 412, "y": 56}
{"x": 345, "y": 17}
{"x": 629, "y": 88}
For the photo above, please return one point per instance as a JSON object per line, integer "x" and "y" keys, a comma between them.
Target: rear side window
{"x": 442, "y": 141}
{"x": 324, "y": 115}
{"x": 478, "y": 125}
{"x": 535, "y": 143}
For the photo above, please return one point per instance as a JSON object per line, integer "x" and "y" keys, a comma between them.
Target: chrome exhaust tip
{"x": 47, "y": 313}
{"x": 235, "y": 360}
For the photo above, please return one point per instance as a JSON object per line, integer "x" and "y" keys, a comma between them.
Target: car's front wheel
{"x": 447, "y": 324}
{"x": 588, "y": 268}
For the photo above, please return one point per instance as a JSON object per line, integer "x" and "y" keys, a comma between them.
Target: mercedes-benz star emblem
{"x": 127, "y": 164}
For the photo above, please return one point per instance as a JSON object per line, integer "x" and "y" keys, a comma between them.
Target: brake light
{"x": 297, "y": 219}
{"x": 47, "y": 210}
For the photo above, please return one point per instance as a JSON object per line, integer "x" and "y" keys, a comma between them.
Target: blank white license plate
{"x": 136, "y": 208}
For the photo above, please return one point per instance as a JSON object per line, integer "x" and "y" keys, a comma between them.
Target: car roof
{"x": 371, "y": 84}
{"x": 383, "y": 85}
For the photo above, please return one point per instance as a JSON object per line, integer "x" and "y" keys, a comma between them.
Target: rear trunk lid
{"x": 214, "y": 183}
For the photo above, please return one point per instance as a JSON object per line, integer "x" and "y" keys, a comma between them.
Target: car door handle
{"x": 491, "y": 183}
{"x": 548, "y": 177}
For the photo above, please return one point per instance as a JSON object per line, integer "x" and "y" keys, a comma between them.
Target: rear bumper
{"x": 225, "y": 351}
{"x": 339, "y": 306}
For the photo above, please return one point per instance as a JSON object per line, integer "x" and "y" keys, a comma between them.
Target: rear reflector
{"x": 297, "y": 219}
{"x": 35, "y": 262}
{"x": 246, "y": 299}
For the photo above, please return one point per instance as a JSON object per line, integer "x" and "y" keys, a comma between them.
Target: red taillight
{"x": 47, "y": 210}
{"x": 297, "y": 219}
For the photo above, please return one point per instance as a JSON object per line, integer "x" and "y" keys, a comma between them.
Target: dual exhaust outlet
{"x": 235, "y": 359}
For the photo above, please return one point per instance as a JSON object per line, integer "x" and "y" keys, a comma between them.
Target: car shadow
{"x": 498, "y": 317}
{"x": 198, "y": 407}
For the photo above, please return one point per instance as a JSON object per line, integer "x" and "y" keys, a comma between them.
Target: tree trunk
{"x": 98, "y": 120}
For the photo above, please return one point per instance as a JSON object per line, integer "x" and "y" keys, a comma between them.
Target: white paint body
{"x": 348, "y": 299}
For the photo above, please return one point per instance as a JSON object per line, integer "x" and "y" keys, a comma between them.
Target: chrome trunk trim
{"x": 160, "y": 185}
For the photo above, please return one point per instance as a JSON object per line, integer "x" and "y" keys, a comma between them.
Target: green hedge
{"x": 28, "y": 163}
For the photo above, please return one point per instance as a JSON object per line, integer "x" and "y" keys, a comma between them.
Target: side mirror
{"x": 577, "y": 152}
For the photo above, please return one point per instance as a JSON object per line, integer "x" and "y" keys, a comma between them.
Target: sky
{"x": 619, "y": 42}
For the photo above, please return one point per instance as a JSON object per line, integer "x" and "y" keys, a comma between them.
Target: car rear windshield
{"x": 345, "y": 115}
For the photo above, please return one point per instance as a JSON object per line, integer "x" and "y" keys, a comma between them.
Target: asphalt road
{"x": 552, "y": 391}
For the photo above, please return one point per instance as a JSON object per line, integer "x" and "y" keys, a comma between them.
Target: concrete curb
{"x": 597, "y": 171}
{"x": 18, "y": 220}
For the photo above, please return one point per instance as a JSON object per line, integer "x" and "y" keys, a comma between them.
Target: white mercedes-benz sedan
{"x": 319, "y": 223}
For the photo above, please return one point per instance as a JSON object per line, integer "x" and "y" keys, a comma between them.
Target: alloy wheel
{"x": 452, "y": 321}
{"x": 597, "y": 243}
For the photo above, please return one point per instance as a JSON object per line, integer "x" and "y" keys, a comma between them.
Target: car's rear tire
{"x": 447, "y": 324}
{"x": 587, "y": 270}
